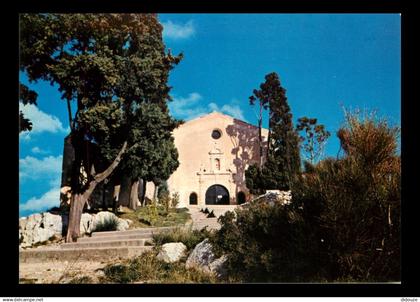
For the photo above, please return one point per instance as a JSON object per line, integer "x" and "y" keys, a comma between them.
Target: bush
{"x": 81, "y": 280}
{"x": 353, "y": 203}
{"x": 148, "y": 269}
{"x": 188, "y": 237}
{"x": 108, "y": 224}
{"x": 165, "y": 201}
{"x": 267, "y": 243}
{"x": 343, "y": 222}
{"x": 175, "y": 200}
{"x": 211, "y": 214}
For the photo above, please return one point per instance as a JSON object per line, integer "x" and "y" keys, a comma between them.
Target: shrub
{"x": 353, "y": 203}
{"x": 267, "y": 243}
{"x": 81, "y": 280}
{"x": 211, "y": 214}
{"x": 175, "y": 200}
{"x": 147, "y": 268}
{"x": 186, "y": 236}
{"x": 165, "y": 201}
{"x": 152, "y": 213}
{"x": 108, "y": 224}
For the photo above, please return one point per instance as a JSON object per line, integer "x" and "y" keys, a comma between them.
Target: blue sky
{"x": 324, "y": 61}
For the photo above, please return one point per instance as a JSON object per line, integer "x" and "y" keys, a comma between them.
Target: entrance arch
{"x": 217, "y": 194}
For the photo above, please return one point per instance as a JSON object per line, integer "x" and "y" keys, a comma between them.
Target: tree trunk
{"x": 134, "y": 197}
{"x": 79, "y": 199}
{"x": 260, "y": 135}
{"x": 125, "y": 188}
{"x": 155, "y": 194}
{"x": 76, "y": 208}
{"x": 143, "y": 193}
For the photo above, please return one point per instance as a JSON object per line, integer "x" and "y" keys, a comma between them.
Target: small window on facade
{"x": 217, "y": 161}
{"x": 216, "y": 134}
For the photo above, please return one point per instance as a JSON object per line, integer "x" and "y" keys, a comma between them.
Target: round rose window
{"x": 216, "y": 134}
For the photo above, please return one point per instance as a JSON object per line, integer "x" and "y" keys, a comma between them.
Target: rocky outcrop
{"x": 273, "y": 196}
{"x": 40, "y": 227}
{"x": 172, "y": 252}
{"x": 86, "y": 223}
{"x": 203, "y": 258}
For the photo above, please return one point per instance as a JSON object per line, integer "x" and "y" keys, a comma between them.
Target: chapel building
{"x": 214, "y": 152}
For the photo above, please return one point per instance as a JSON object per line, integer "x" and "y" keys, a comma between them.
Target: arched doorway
{"x": 193, "y": 198}
{"x": 217, "y": 194}
{"x": 240, "y": 197}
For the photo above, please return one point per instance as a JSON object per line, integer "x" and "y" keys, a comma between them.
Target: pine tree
{"x": 283, "y": 154}
{"x": 283, "y": 159}
{"x": 107, "y": 64}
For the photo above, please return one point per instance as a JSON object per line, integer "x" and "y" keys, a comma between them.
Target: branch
{"x": 101, "y": 176}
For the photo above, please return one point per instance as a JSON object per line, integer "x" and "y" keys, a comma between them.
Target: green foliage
{"x": 283, "y": 161}
{"x": 26, "y": 96}
{"x": 354, "y": 203}
{"x": 342, "y": 225}
{"x": 148, "y": 269}
{"x": 175, "y": 200}
{"x": 152, "y": 213}
{"x": 81, "y": 280}
{"x": 165, "y": 201}
{"x": 268, "y": 243}
{"x": 314, "y": 138}
{"x": 114, "y": 69}
{"x": 108, "y": 224}
{"x": 157, "y": 216}
{"x": 163, "y": 190}
{"x": 152, "y": 155}
{"x": 283, "y": 150}
{"x": 27, "y": 280}
{"x": 187, "y": 236}
{"x": 254, "y": 180}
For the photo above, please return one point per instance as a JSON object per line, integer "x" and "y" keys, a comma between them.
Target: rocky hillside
{"x": 41, "y": 227}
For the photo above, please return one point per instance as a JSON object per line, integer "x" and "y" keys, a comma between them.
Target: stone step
{"x": 115, "y": 237}
{"x": 89, "y": 254}
{"x": 132, "y": 232}
{"x": 106, "y": 243}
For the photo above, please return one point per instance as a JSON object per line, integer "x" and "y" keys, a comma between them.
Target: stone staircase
{"x": 101, "y": 246}
{"x": 200, "y": 219}
{"x": 105, "y": 246}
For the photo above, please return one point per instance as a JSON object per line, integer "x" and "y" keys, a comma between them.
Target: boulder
{"x": 100, "y": 217}
{"x": 86, "y": 223}
{"x": 218, "y": 266}
{"x": 272, "y": 197}
{"x": 53, "y": 222}
{"x": 172, "y": 252}
{"x": 123, "y": 224}
{"x": 38, "y": 228}
{"x": 203, "y": 258}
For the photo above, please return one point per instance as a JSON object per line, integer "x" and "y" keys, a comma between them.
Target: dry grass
{"x": 143, "y": 218}
{"x": 148, "y": 269}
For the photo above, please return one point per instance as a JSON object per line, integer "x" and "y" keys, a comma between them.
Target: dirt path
{"x": 60, "y": 271}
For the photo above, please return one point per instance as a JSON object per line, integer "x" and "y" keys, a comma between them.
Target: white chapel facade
{"x": 214, "y": 152}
